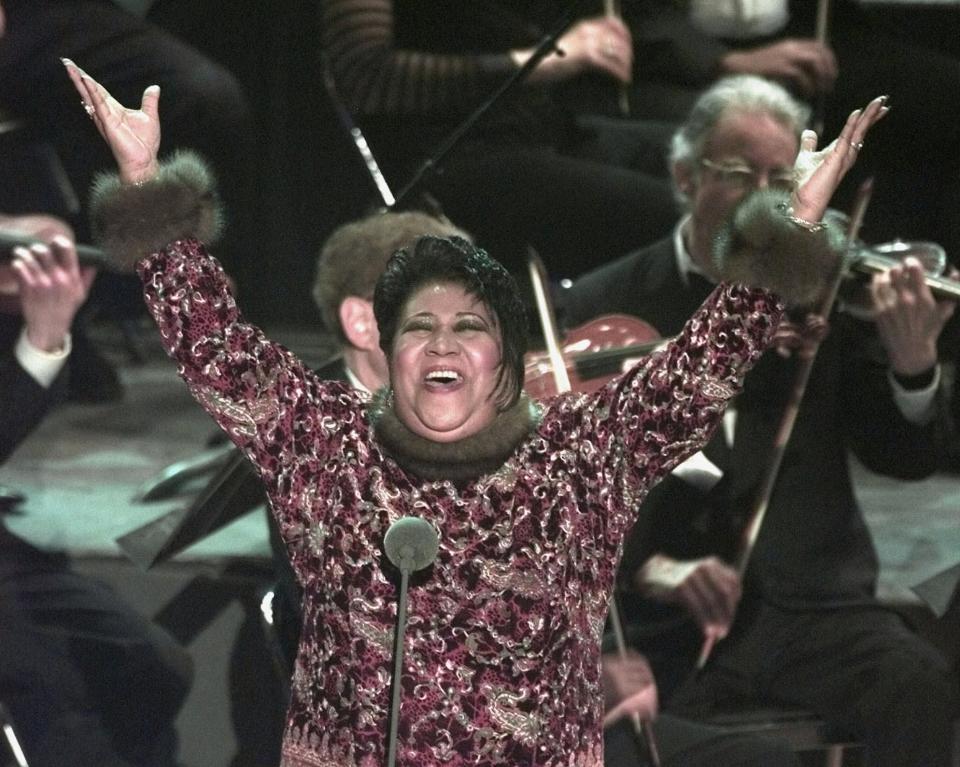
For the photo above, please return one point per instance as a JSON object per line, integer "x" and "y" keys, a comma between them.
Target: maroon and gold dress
{"x": 502, "y": 654}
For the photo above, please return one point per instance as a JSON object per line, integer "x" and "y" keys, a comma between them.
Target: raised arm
{"x": 773, "y": 254}
{"x": 152, "y": 217}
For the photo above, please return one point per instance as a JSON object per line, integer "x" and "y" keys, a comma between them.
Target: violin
{"x": 593, "y": 354}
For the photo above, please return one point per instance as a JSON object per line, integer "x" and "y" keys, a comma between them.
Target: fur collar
{"x": 459, "y": 461}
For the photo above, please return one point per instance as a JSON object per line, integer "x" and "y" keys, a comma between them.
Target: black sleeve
{"x": 376, "y": 77}
{"x": 23, "y": 404}
{"x": 878, "y": 433}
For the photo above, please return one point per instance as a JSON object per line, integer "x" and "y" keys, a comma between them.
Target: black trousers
{"x": 861, "y": 669}
{"x": 87, "y": 681}
{"x": 683, "y": 743}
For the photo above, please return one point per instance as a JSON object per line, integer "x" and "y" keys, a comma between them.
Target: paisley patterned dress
{"x": 502, "y": 653}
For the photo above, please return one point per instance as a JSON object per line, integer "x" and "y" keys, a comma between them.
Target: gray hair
{"x": 732, "y": 95}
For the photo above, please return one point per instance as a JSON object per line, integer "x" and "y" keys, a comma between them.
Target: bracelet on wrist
{"x": 810, "y": 226}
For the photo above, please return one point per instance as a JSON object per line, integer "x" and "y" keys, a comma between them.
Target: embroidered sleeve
{"x": 642, "y": 424}
{"x": 267, "y": 401}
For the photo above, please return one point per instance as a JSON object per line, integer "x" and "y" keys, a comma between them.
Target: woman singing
{"x": 531, "y": 500}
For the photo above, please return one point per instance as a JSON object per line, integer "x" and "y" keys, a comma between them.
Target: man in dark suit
{"x": 69, "y": 647}
{"x": 802, "y": 626}
{"x": 32, "y": 332}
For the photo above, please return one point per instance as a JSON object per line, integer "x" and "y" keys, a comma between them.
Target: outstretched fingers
{"x": 808, "y": 141}
{"x": 859, "y": 122}
{"x": 150, "y": 103}
{"x": 95, "y": 98}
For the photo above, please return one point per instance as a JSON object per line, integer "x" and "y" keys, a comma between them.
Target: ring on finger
{"x": 856, "y": 146}
{"x": 88, "y": 108}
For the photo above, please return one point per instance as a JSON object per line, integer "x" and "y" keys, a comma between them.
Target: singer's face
{"x": 444, "y": 363}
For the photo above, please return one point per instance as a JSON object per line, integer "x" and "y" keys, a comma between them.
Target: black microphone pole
{"x": 545, "y": 47}
{"x": 411, "y": 544}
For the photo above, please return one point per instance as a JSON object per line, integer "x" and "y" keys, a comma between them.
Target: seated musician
{"x": 69, "y": 646}
{"x": 798, "y": 624}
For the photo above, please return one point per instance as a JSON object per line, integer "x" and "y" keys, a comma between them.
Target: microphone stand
{"x": 544, "y": 48}
{"x": 406, "y": 567}
{"x": 410, "y": 544}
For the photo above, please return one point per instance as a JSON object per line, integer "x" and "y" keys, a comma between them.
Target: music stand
{"x": 941, "y": 591}
{"x": 234, "y": 491}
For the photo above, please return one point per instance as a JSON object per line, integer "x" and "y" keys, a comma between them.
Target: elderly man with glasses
{"x": 799, "y": 625}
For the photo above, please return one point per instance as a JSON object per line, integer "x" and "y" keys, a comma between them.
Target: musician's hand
{"x": 132, "y": 134}
{"x": 908, "y": 318}
{"x": 600, "y": 44}
{"x": 52, "y": 287}
{"x": 806, "y": 65}
{"x": 820, "y": 173}
{"x": 709, "y": 589}
{"x": 36, "y": 226}
{"x": 628, "y": 688}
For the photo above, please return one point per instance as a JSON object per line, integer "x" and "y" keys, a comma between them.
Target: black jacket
{"x": 814, "y": 547}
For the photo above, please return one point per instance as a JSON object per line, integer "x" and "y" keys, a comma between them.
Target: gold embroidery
{"x": 524, "y": 726}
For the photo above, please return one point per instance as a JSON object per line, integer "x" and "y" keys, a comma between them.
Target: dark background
{"x": 310, "y": 178}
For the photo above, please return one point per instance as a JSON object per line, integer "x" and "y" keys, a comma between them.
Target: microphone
{"x": 411, "y": 544}
{"x": 86, "y": 254}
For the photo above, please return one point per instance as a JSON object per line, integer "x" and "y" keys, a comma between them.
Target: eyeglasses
{"x": 745, "y": 177}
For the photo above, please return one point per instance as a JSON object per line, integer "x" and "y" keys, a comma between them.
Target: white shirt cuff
{"x": 916, "y": 405}
{"x": 42, "y": 366}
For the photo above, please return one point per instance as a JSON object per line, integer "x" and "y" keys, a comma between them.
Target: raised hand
{"x": 820, "y": 173}
{"x": 132, "y": 134}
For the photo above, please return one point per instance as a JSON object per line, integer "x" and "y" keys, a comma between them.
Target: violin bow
{"x": 821, "y": 34}
{"x": 547, "y": 316}
{"x": 791, "y": 410}
{"x": 612, "y": 10}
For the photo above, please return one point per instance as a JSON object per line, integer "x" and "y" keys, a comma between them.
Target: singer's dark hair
{"x": 454, "y": 260}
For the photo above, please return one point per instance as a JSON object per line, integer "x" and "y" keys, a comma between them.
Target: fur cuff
{"x": 131, "y": 222}
{"x": 761, "y": 247}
